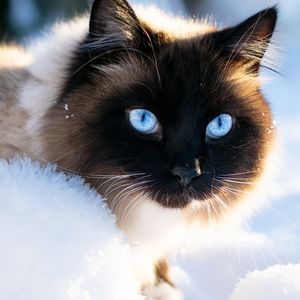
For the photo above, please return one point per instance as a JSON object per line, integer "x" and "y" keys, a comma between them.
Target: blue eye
{"x": 219, "y": 126}
{"x": 143, "y": 120}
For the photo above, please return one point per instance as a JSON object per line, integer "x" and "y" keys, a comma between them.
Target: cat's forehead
{"x": 179, "y": 76}
{"x": 185, "y": 62}
{"x": 192, "y": 61}
{"x": 180, "y": 73}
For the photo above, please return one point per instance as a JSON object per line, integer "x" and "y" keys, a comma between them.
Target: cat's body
{"x": 55, "y": 100}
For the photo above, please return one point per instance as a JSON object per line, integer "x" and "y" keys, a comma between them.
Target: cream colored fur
{"x": 14, "y": 62}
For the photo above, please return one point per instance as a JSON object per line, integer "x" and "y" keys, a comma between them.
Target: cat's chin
{"x": 180, "y": 199}
{"x": 177, "y": 201}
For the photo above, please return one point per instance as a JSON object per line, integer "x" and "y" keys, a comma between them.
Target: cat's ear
{"x": 248, "y": 41}
{"x": 113, "y": 21}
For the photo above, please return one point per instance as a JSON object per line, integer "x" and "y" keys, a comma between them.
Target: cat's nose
{"x": 184, "y": 175}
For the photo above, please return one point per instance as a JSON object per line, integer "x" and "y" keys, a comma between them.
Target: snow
{"x": 276, "y": 283}
{"x": 58, "y": 241}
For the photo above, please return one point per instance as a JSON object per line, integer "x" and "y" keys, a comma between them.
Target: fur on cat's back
{"x": 14, "y": 62}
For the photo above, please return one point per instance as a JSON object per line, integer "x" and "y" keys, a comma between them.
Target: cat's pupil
{"x": 143, "y": 117}
{"x": 220, "y": 122}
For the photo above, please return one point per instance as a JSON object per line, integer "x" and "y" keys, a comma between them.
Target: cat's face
{"x": 174, "y": 120}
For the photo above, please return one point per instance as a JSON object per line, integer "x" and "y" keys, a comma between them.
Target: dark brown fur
{"x": 162, "y": 273}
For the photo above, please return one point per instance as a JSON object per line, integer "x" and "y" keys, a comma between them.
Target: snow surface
{"x": 57, "y": 240}
{"x": 276, "y": 283}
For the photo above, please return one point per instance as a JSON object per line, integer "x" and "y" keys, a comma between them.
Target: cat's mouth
{"x": 167, "y": 191}
{"x": 180, "y": 197}
{"x": 175, "y": 195}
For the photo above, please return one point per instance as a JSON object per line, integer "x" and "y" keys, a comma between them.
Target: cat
{"x": 163, "y": 116}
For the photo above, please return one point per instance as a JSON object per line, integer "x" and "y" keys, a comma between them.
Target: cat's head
{"x": 167, "y": 116}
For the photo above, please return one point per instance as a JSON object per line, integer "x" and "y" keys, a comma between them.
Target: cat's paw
{"x": 162, "y": 291}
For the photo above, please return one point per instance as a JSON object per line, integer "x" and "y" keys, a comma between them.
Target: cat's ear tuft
{"x": 113, "y": 22}
{"x": 249, "y": 40}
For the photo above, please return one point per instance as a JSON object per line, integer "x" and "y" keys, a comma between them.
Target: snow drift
{"x": 277, "y": 283}
{"x": 58, "y": 241}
